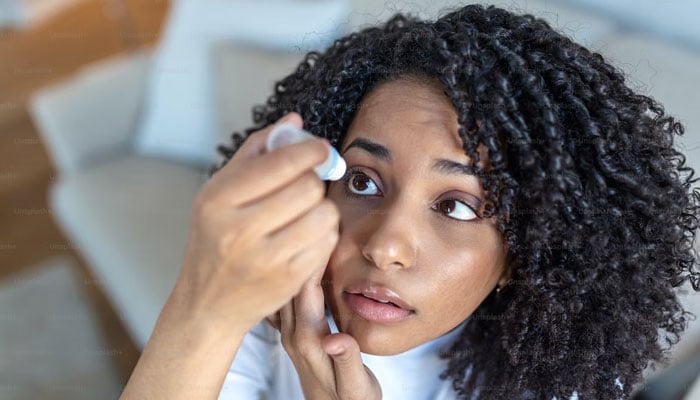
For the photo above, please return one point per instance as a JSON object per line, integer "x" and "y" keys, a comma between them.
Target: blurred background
{"x": 110, "y": 113}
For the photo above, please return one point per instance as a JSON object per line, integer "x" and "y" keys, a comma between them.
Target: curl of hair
{"x": 593, "y": 200}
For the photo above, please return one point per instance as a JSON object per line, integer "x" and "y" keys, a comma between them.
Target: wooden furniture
{"x": 30, "y": 59}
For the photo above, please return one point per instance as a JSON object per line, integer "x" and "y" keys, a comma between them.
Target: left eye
{"x": 457, "y": 206}
{"x": 465, "y": 211}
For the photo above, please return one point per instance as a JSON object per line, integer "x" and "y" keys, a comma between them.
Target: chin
{"x": 381, "y": 350}
{"x": 379, "y": 340}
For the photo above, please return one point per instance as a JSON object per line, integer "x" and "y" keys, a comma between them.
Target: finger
{"x": 311, "y": 323}
{"x": 287, "y": 322}
{"x": 271, "y": 171}
{"x": 289, "y": 203}
{"x": 350, "y": 372}
{"x": 307, "y": 262}
{"x": 306, "y": 232}
{"x": 254, "y": 145}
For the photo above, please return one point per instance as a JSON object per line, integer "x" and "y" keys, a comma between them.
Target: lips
{"x": 380, "y": 294}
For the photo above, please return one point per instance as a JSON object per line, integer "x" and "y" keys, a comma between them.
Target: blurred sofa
{"x": 127, "y": 210}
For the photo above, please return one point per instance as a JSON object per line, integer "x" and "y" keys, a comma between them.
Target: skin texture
{"x": 406, "y": 233}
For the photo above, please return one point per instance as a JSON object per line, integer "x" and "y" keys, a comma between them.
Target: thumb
{"x": 351, "y": 374}
{"x": 255, "y": 143}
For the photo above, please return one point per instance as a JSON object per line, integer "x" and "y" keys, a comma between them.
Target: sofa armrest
{"x": 94, "y": 113}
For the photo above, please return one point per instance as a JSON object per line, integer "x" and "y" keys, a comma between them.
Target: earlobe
{"x": 507, "y": 271}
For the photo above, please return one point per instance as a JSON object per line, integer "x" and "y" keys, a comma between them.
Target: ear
{"x": 507, "y": 270}
{"x": 503, "y": 282}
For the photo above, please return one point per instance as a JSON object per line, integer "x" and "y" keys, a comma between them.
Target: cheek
{"x": 350, "y": 209}
{"x": 465, "y": 278}
{"x": 461, "y": 283}
{"x": 336, "y": 260}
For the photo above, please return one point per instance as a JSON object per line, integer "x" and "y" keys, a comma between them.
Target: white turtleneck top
{"x": 262, "y": 369}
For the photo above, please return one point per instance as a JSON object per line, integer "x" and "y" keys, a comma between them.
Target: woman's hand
{"x": 259, "y": 228}
{"x": 329, "y": 366}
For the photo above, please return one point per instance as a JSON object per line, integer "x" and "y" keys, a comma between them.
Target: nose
{"x": 391, "y": 244}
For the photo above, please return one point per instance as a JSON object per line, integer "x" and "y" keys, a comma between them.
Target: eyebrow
{"x": 441, "y": 165}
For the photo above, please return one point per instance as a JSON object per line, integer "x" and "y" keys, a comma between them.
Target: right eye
{"x": 354, "y": 178}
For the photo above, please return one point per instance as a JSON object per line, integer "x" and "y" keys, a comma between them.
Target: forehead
{"x": 409, "y": 104}
{"x": 411, "y": 116}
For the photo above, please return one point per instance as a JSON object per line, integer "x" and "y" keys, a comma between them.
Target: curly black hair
{"x": 595, "y": 203}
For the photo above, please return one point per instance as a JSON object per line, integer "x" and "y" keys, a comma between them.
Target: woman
{"x": 523, "y": 208}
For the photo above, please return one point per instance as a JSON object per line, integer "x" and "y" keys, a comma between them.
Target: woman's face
{"x": 411, "y": 228}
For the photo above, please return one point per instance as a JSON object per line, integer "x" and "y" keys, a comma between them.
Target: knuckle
{"x": 312, "y": 152}
{"x": 320, "y": 148}
{"x": 313, "y": 187}
{"x": 260, "y": 132}
{"x": 304, "y": 348}
{"x": 287, "y": 162}
{"x": 333, "y": 236}
{"x": 344, "y": 357}
{"x": 238, "y": 240}
{"x": 330, "y": 211}
{"x": 300, "y": 267}
{"x": 274, "y": 261}
{"x": 203, "y": 206}
{"x": 256, "y": 136}
{"x": 295, "y": 269}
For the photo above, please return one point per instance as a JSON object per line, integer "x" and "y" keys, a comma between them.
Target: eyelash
{"x": 350, "y": 173}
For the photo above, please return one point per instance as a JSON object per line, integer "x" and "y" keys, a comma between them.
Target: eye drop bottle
{"x": 332, "y": 169}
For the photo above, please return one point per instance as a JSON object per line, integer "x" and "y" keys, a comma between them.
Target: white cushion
{"x": 130, "y": 219}
{"x": 93, "y": 114}
{"x": 179, "y": 120}
{"x": 246, "y": 77}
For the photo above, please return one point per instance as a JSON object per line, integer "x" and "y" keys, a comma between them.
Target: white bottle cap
{"x": 333, "y": 168}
